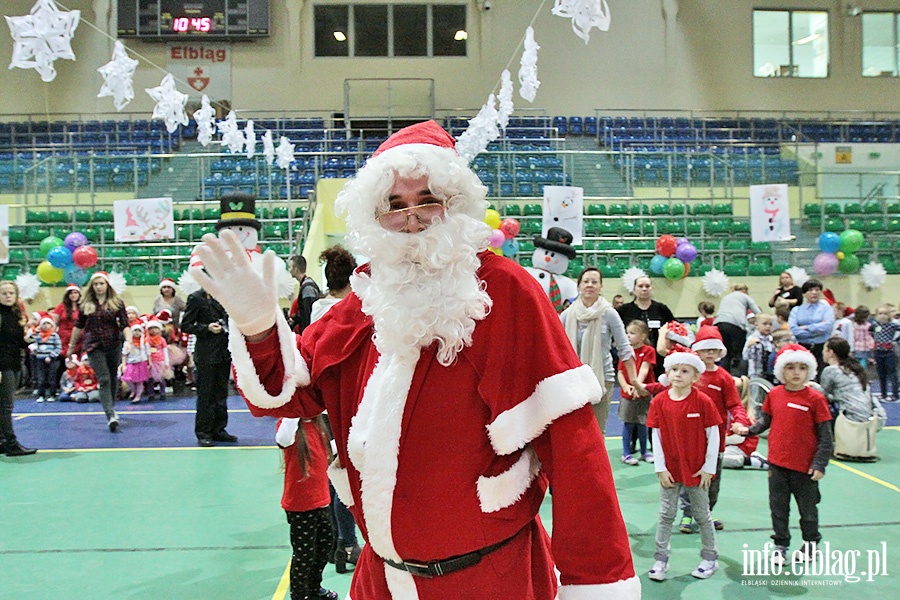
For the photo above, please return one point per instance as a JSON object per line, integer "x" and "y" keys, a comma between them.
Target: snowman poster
{"x": 770, "y": 220}
{"x": 563, "y": 208}
{"x": 142, "y": 220}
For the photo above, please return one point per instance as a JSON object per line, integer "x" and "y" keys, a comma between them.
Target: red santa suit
{"x": 461, "y": 461}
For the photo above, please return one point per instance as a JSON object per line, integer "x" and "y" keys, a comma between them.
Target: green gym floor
{"x": 185, "y": 523}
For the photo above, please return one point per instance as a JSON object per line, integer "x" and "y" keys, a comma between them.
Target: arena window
{"x": 790, "y": 43}
{"x": 881, "y": 44}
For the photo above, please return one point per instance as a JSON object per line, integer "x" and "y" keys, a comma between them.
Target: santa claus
{"x": 453, "y": 401}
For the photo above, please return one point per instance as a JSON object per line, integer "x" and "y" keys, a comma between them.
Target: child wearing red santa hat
{"x": 159, "y": 360}
{"x": 45, "y": 350}
{"x": 800, "y": 445}
{"x": 686, "y": 441}
{"x": 135, "y": 367}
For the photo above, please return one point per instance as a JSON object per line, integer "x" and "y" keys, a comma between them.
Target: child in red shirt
{"x": 800, "y": 444}
{"x": 306, "y": 501}
{"x": 718, "y": 384}
{"x": 632, "y": 410}
{"x": 87, "y": 388}
{"x": 686, "y": 439}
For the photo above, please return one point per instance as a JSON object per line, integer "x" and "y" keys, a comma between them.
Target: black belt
{"x": 436, "y": 568}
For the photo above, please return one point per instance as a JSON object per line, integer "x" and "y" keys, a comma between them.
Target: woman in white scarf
{"x": 591, "y": 325}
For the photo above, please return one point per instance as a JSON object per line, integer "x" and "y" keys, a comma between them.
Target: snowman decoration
{"x": 550, "y": 260}
{"x": 237, "y": 212}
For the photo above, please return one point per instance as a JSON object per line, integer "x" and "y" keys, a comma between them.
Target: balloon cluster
{"x": 502, "y": 240}
{"x": 66, "y": 259}
{"x": 673, "y": 257}
{"x": 837, "y": 252}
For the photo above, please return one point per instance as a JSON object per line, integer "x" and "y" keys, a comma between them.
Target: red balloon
{"x": 84, "y": 256}
{"x": 510, "y": 228}
{"x": 666, "y": 245}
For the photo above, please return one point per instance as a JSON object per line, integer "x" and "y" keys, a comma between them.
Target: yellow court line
{"x": 121, "y": 413}
{"x": 175, "y": 449}
{"x": 284, "y": 584}
{"x": 889, "y": 486}
{"x": 893, "y": 427}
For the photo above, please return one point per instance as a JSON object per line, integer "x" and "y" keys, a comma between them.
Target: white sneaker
{"x": 629, "y": 460}
{"x": 705, "y": 569}
{"x": 51, "y": 398}
{"x": 40, "y": 399}
{"x": 779, "y": 556}
{"x": 658, "y": 571}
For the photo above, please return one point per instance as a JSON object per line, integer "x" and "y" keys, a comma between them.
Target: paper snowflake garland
{"x": 285, "y": 152}
{"x": 29, "y": 285}
{"x": 41, "y": 37}
{"x": 528, "y": 81}
{"x": 506, "y": 100}
{"x": 169, "y": 103}
{"x": 482, "y": 131}
{"x": 118, "y": 75}
{"x": 715, "y": 283}
{"x": 873, "y": 275}
{"x": 250, "y": 139}
{"x": 268, "y": 147}
{"x": 231, "y": 135}
{"x": 206, "y": 121}
{"x": 117, "y": 282}
{"x": 799, "y": 275}
{"x": 630, "y": 276}
{"x": 585, "y": 14}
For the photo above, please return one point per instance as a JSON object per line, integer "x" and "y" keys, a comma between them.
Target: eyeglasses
{"x": 425, "y": 214}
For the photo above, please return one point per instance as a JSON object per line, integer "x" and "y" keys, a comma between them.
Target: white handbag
{"x": 855, "y": 441}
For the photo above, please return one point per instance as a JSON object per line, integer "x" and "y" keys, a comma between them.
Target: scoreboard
{"x": 193, "y": 19}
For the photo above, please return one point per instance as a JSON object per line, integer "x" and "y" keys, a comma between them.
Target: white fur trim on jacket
{"x": 625, "y": 589}
{"x": 286, "y": 433}
{"x": 506, "y": 488}
{"x": 400, "y": 583}
{"x": 296, "y": 372}
{"x": 795, "y": 356}
{"x": 552, "y": 398}
{"x": 341, "y": 482}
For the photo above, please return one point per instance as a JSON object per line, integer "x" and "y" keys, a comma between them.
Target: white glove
{"x": 250, "y": 300}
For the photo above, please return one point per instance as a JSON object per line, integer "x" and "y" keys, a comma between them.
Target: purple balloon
{"x": 680, "y": 241}
{"x": 825, "y": 263}
{"x": 686, "y": 253}
{"x": 75, "y": 239}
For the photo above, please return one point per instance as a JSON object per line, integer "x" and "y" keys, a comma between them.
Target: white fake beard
{"x": 423, "y": 287}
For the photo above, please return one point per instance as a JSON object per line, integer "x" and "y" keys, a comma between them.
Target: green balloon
{"x": 851, "y": 241}
{"x": 49, "y": 243}
{"x": 850, "y": 264}
{"x": 673, "y": 268}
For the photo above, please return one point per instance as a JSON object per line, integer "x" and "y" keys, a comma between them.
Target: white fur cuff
{"x": 506, "y": 488}
{"x": 341, "y": 482}
{"x": 286, "y": 434}
{"x": 296, "y": 372}
{"x": 552, "y": 398}
{"x": 626, "y": 589}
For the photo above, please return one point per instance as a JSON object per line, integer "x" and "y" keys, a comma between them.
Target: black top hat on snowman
{"x": 237, "y": 209}
{"x": 557, "y": 240}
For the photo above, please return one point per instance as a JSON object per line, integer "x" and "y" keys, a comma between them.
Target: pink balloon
{"x": 496, "y": 239}
{"x": 825, "y": 263}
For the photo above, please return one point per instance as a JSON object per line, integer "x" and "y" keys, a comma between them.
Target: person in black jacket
{"x": 205, "y": 318}
{"x": 12, "y": 342}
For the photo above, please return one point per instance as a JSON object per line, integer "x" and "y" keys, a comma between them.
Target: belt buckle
{"x": 427, "y": 570}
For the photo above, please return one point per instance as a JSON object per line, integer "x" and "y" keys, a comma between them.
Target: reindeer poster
{"x": 144, "y": 220}
{"x": 563, "y": 208}
{"x": 770, "y": 220}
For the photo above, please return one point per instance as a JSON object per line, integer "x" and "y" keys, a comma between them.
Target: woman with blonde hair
{"x": 104, "y": 326}
{"x": 12, "y": 342}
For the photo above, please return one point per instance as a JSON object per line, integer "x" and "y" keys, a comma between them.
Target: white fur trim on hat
{"x": 133, "y": 309}
{"x": 154, "y": 323}
{"x": 167, "y": 283}
{"x": 102, "y": 274}
{"x": 46, "y": 320}
{"x": 710, "y": 344}
{"x": 795, "y": 356}
{"x": 684, "y": 358}
{"x": 138, "y": 326}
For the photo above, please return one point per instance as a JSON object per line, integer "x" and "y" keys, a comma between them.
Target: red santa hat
{"x": 99, "y": 274}
{"x": 829, "y": 296}
{"x": 153, "y": 323}
{"x": 427, "y": 133}
{"x": 164, "y": 316}
{"x": 679, "y": 355}
{"x": 794, "y": 353}
{"x": 133, "y": 309}
{"x": 45, "y": 318}
{"x": 679, "y": 333}
{"x": 167, "y": 283}
{"x": 137, "y": 326}
{"x": 73, "y": 286}
{"x": 709, "y": 338}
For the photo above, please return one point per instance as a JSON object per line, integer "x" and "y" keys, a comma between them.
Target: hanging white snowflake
{"x": 715, "y": 283}
{"x": 118, "y": 76}
{"x": 873, "y": 275}
{"x": 187, "y": 284}
{"x": 482, "y": 130}
{"x": 630, "y": 276}
{"x": 506, "y": 100}
{"x": 585, "y": 14}
{"x": 799, "y": 275}
{"x": 41, "y": 37}
{"x": 285, "y": 152}
{"x": 29, "y": 285}
{"x": 528, "y": 81}
{"x": 117, "y": 282}
{"x": 169, "y": 103}
{"x": 250, "y": 139}
{"x": 206, "y": 121}
{"x": 268, "y": 147}
{"x": 231, "y": 135}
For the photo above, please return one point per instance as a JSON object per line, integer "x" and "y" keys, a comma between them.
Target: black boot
{"x": 340, "y": 560}
{"x": 17, "y": 449}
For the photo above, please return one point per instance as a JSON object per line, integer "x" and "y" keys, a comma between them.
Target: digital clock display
{"x": 193, "y": 19}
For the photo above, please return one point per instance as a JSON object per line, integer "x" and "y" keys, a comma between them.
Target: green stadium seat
{"x": 812, "y": 209}
{"x": 893, "y": 208}
{"x": 740, "y": 227}
{"x": 735, "y": 270}
{"x": 82, "y": 216}
{"x": 595, "y": 209}
{"x": 300, "y": 212}
{"x": 815, "y": 221}
{"x": 18, "y": 235}
{"x": 211, "y": 214}
{"x": 893, "y": 225}
{"x": 673, "y": 227}
{"x": 10, "y": 272}
{"x": 279, "y": 212}
{"x": 875, "y": 224}
{"x": 722, "y": 209}
{"x": 760, "y": 246}
{"x": 856, "y": 223}
{"x": 743, "y": 245}
{"x": 36, "y": 216}
{"x": 512, "y": 210}
{"x": 630, "y": 228}
{"x": 659, "y": 209}
{"x": 834, "y": 224}
{"x": 718, "y": 227}
{"x": 103, "y": 216}
{"x": 639, "y": 208}
{"x": 760, "y": 270}
{"x": 702, "y": 209}
{"x": 618, "y": 209}
{"x": 832, "y": 208}
{"x": 852, "y": 208}
{"x": 872, "y": 208}
{"x": 609, "y": 271}
{"x": 36, "y": 234}
{"x": 533, "y": 210}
